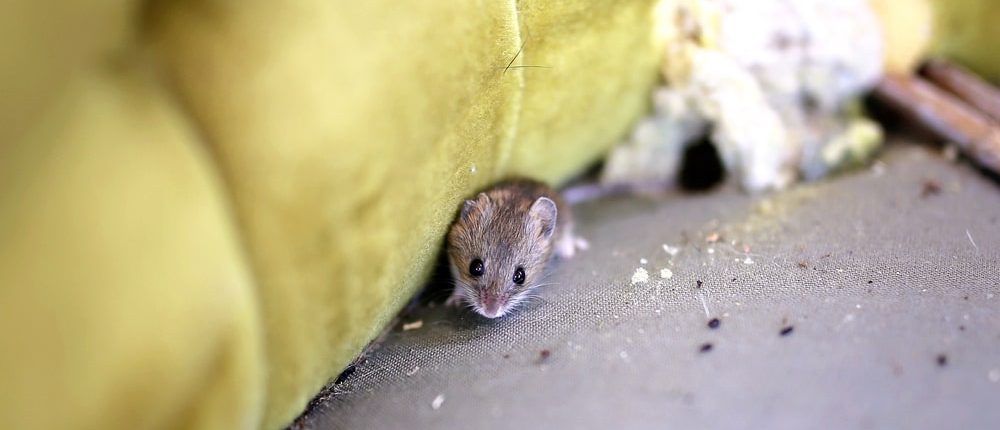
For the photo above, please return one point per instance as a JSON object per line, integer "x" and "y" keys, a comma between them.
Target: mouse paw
{"x": 568, "y": 245}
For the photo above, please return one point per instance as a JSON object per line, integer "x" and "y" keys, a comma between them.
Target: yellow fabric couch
{"x": 209, "y": 207}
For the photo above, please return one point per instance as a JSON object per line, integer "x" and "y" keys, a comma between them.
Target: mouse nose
{"x": 491, "y": 307}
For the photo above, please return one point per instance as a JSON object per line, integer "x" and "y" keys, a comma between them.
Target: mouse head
{"x": 498, "y": 249}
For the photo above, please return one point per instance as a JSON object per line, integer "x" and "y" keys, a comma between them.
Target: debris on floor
{"x": 787, "y": 330}
{"x": 641, "y": 276}
{"x": 543, "y": 356}
{"x": 942, "y": 360}
{"x": 413, "y": 325}
{"x": 930, "y": 188}
{"x": 437, "y": 402}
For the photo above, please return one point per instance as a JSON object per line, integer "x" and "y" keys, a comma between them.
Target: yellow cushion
{"x": 223, "y": 201}
{"x": 124, "y": 298}
{"x": 967, "y": 31}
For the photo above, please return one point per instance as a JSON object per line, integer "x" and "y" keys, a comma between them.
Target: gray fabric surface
{"x": 892, "y": 281}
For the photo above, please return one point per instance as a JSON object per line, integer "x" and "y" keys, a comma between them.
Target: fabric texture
{"x": 888, "y": 285}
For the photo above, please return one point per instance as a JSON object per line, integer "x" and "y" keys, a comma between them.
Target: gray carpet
{"x": 888, "y": 278}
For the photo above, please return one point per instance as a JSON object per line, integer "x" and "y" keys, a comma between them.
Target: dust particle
{"x": 641, "y": 276}
{"x": 666, "y": 273}
{"x": 993, "y": 375}
{"x": 543, "y": 356}
{"x": 437, "y": 402}
{"x": 804, "y": 264}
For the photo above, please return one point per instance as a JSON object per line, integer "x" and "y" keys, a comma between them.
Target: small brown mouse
{"x": 501, "y": 242}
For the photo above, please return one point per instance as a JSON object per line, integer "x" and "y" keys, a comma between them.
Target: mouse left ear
{"x": 544, "y": 210}
{"x": 471, "y": 205}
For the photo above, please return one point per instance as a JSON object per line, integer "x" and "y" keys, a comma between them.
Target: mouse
{"x": 502, "y": 241}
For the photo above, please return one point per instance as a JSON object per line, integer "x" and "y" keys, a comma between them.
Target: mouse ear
{"x": 471, "y": 206}
{"x": 544, "y": 210}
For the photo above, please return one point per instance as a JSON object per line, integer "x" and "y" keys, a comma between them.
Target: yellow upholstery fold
{"x": 124, "y": 298}
{"x": 211, "y": 207}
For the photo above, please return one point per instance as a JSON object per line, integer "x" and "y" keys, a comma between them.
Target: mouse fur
{"x": 514, "y": 226}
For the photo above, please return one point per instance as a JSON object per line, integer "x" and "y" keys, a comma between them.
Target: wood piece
{"x": 944, "y": 115}
{"x": 966, "y": 85}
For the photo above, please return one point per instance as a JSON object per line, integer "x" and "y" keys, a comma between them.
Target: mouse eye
{"x": 519, "y": 276}
{"x": 476, "y": 268}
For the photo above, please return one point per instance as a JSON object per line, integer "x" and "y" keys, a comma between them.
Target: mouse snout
{"x": 493, "y": 306}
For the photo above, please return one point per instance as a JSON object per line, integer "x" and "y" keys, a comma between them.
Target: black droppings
{"x": 869, "y": 282}
{"x": 787, "y": 330}
{"x": 942, "y": 360}
{"x": 714, "y": 323}
{"x": 543, "y": 355}
{"x": 705, "y": 347}
{"x": 698, "y": 283}
{"x": 930, "y": 188}
{"x": 961, "y": 328}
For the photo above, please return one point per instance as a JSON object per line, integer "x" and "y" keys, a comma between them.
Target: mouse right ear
{"x": 472, "y": 205}
{"x": 544, "y": 210}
